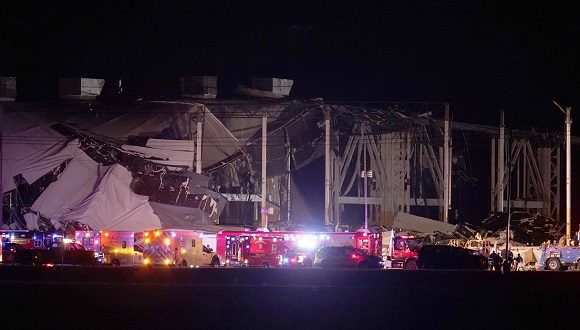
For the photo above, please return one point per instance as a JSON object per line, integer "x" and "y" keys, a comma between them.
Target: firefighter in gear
{"x": 176, "y": 257}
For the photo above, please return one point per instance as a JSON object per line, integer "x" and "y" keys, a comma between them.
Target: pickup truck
{"x": 58, "y": 253}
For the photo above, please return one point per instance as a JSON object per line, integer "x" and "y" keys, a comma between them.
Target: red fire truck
{"x": 30, "y": 239}
{"x": 403, "y": 250}
{"x": 267, "y": 249}
{"x": 26, "y": 240}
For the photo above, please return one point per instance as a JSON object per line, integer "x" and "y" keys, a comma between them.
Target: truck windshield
{"x": 410, "y": 244}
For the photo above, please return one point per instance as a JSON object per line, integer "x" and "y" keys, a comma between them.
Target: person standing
{"x": 176, "y": 257}
{"x": 519, "y": 263}
{"x": 495, "y": 260}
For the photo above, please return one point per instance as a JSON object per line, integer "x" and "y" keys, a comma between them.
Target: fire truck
{"x": 177, "y": 247}
{"x": 26, "y": 240}
{"x": 268, "y": 249}
{"x": 403, "y": 250}
{"x": 116, "y": 248}
{"x": 30, "y": 239}
{"x": 40, "y": 248}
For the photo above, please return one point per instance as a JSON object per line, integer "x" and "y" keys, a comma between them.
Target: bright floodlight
{"x": 307, "y": 242}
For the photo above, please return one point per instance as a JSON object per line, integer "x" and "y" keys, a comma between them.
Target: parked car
{"x": 345, "y": 257}
{"x": 298, "y": 257}
{"x": 450, "y": 257}
{"x": 12, "y": 254}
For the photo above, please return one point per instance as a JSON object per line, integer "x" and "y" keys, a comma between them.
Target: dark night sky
{"x": 479, "y": 56}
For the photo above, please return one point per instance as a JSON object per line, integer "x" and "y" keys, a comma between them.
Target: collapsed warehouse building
{"x": 143, "y": 165}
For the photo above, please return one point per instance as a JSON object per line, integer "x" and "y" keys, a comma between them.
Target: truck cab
{"x": 69, "y": 253}
{"x": 403, "y": 250}
{"x": 561, "y": 257}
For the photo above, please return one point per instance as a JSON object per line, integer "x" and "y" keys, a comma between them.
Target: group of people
{"x": 516, "y": 264}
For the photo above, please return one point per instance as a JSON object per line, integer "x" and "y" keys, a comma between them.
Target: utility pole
{"x": 568, "y": 125}
{"x": 199, "y": 134}
{"x": 1, "y": 187}
{"x": 364, "y": 175}
{"x": 326, "y": 166}
{"x": 568, "y": 178}
{"x": 446, "y": 169}
{"x": 264, "y": 222}
{"x": 500, "y": 164}
{"x": 289, "y": 177}
{"x": 506, "y": 267}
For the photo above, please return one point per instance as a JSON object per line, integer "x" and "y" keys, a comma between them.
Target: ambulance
{"x": 116, "y": 248}
{"x": 183, "y": 248}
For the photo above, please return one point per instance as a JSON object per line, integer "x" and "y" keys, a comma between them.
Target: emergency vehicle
{"x": 402, "y": 250}
{"x": 177, "y": 247}
{"x": 116, "y": 248}
{"x": 561, "y": 257}
{"x": 267, "y": 249}
{"x": 25, "y": 239}
{"x": 30, "y": 239}
{"x": 42, "y": 248}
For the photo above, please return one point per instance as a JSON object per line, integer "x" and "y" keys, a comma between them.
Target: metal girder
{"x": 242, "y": 197}
{"x": 535, "y": 178}
{"x": 393, "y": 157}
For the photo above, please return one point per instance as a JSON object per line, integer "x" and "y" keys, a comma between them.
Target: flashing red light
{"x": 293, "y": 260}
{"x": 355, "y": 256}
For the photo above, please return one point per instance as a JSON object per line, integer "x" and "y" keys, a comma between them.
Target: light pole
{"x": 366, "y": 175}
{"x": 567, "y": 128}
{"x": 568, "y": 178}
{"x": 506, "y": 267}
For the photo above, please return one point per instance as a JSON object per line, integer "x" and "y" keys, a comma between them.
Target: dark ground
{"x": 141, "y": 298}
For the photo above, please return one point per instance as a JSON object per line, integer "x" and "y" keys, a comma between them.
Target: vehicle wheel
{"x": 215, "y": 262}
{"x": 265, "y": 265}
{"x": 183, "y": 263}
{"x": 410, "y": 264}
{"x": 115, "y": 263}
{"x": 553, "y": 264}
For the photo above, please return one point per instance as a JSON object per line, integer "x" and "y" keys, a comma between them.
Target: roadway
{"x": 145, "y": 298}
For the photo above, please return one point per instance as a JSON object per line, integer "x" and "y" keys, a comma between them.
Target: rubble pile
{"x": 532, "y": 229}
